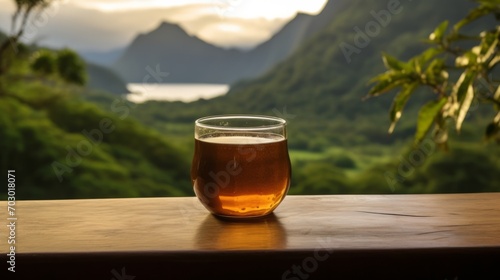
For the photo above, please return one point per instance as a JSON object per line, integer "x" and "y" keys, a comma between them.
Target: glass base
{"x": 240, "y": 218}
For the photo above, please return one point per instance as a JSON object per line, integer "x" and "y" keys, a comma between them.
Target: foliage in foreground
{"x": 459, "y": 70}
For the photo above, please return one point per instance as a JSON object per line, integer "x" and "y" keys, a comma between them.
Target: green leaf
{"x": 464, "y": 107}
{"x": 468, "y": 59}
{"x": 382, "y": 87}
{"x": 434, "y": 73}
{"x": 392, "y": 63}
{"x": 399, "y": 103}
{"x": 460, "y": 89}
{"x": 437, "y": 35}
{"x": 388, "y": 81}
{"x": 426, "y": 117}
{"x": 489, "y": 48}
{"x": 440, "y": 134}
{"x": 494, "y": 61}
{"x": 417, "y": 66}
{"x": 497, "y": 94}
{"x": 428, "y": 54}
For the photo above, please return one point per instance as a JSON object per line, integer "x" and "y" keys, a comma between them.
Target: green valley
{"x": 71, "y": 141}
{"x": 320, "y": 90}
{"x": 62, "y": 146}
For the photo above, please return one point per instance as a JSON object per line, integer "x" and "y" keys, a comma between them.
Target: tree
{"x": 71, "y": 67}
{"x": 24, "y": 10}
{"x": 65, "y": 63}
{"x": 456, "y": 85}
{"x": 44, "y": 63}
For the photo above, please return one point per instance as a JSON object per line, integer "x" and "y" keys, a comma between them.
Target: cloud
{"x": 269, "y": 9}
{"x": 233, "y": 32}
{"x": 90, "y": 29}
{"x": 127, "y": 5}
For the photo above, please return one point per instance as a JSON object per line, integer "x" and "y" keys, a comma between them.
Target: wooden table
{"x": 453, "y": 236}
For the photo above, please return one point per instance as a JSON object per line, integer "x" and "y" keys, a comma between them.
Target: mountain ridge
{"x": 318, "y": 86}
{"x": 189, "y": 59}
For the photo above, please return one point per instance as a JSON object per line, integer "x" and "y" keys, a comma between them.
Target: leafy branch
{"x": 431, "y": 69}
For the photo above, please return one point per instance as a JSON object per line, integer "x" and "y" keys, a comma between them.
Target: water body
{"x": 175, "y": 92}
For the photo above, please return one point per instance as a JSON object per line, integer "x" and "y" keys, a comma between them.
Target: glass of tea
{"x": 241, "y": 167}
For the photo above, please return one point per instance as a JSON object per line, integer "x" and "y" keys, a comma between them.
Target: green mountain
{"x": 104, "y": 58}
{"x": 105, "y": 79}
{"x": 339, "y": 142}
{"x": 189, "y": 59}
{"x": 321, "y": 86}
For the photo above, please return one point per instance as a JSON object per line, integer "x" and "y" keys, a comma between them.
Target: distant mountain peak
{"x": 169, "y": 27}
{"x": 300, "y": 15}
{"x": 166, "y": 24}
{"x": 330, "y": 6}
{"x": 191, "y": 59}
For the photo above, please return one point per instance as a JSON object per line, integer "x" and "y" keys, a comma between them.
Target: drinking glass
{"x": 241, "y": 167}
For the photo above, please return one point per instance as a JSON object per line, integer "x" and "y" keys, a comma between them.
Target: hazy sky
{"x": 102, "y": 25}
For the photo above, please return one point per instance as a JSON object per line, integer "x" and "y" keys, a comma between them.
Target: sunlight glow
{"x": 128, "y": 5}
{"x": 99, "y": 25}
{"x": 229, "y": 27}
{"x": 224, "y": 8}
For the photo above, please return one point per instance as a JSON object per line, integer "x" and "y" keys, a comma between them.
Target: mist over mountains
{"x": 189, "y": 59}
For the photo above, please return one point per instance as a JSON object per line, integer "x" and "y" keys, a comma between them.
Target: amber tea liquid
{"x": 241, "y": 176}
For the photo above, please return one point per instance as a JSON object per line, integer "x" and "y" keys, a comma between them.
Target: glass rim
{"x": 279, "y": 122}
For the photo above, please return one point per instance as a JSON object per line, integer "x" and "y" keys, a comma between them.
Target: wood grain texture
{"x": 178, "y": 231}
{"x": 182, "y": 224}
